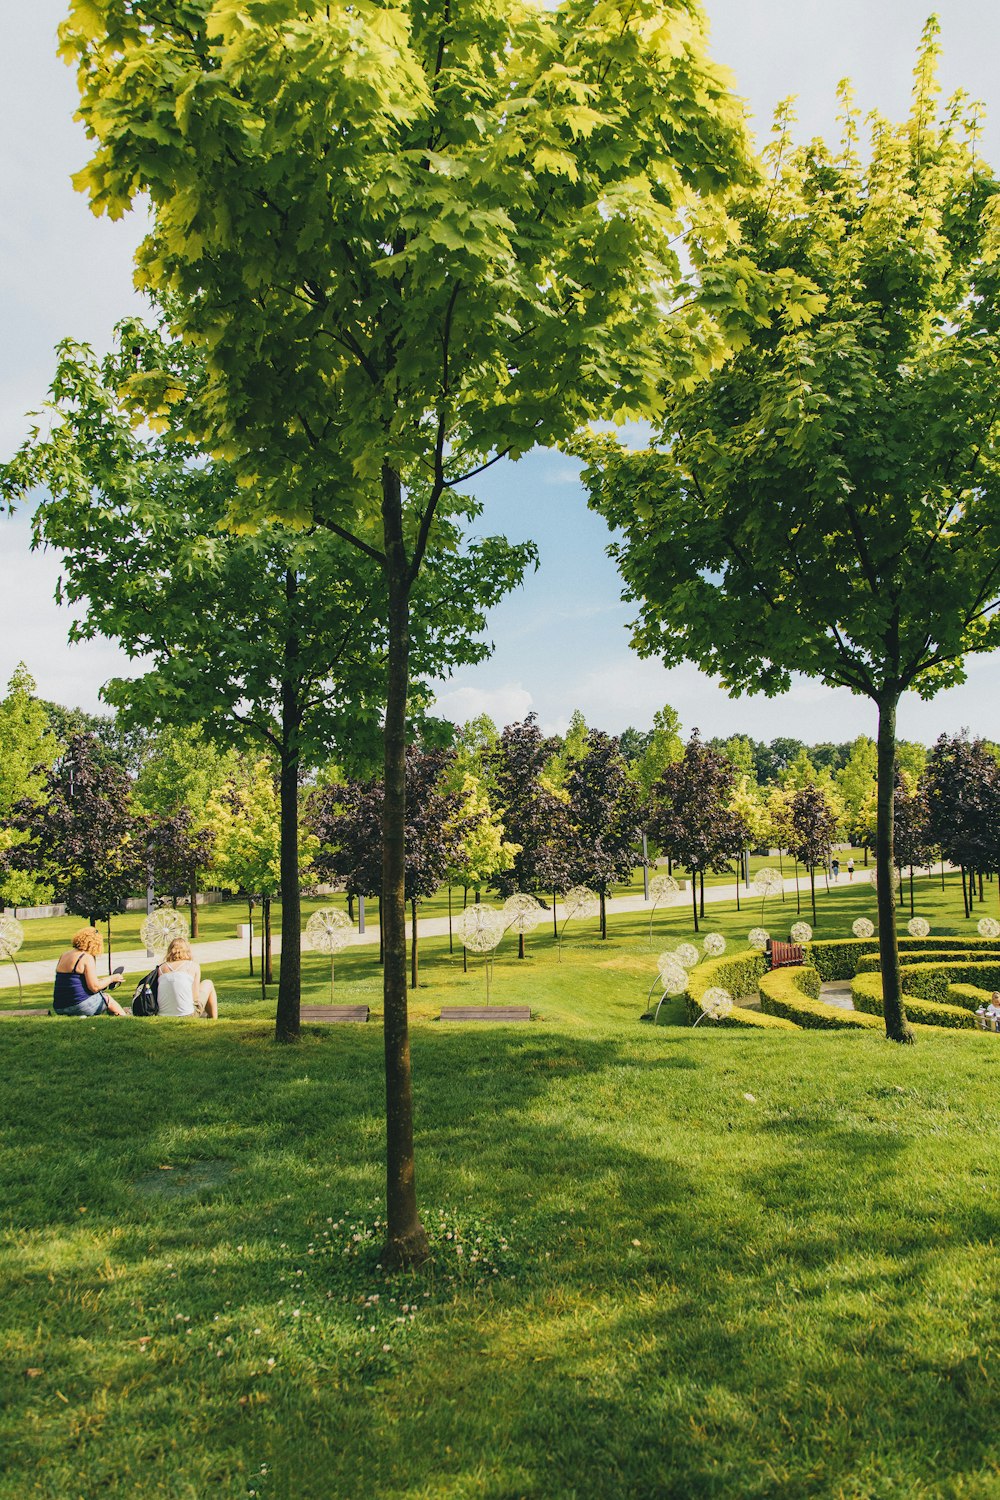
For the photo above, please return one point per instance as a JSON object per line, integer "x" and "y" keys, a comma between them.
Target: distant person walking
{"x": 835, "y": 868}
{"x": 78, "y": 989}
{"x": 850, "y": 869}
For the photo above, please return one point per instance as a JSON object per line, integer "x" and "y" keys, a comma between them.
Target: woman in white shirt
{"x": 180, "y": 989}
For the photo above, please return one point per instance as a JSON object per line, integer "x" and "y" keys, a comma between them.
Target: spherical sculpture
{"x": 716, "y": 1002}
{"x": 673, "y": 976}
{"x": 663, "y": 888}
{"x": 988, "y": 927}
{"x": 159, "y": 929}
{"x": 329, "y": 930}
{"x": 480, "y": 927}
{"x": 801, "y": 932}
{"x": 581, "y": 901}
{"x": 11, "y": 936}
{"x": 768, "y": 881}
{"x": 687, "y": 954}
{"x": 918, "y": 927}
{"x": 862, "y": 928}
{"x": 522, "y": 912}
{"x": 758, "y": 937}
{"x": 714, "y": 944}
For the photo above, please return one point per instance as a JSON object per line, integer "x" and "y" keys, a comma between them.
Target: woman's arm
{"x": 196, "y": 984}
{"x": 94, "y": 981}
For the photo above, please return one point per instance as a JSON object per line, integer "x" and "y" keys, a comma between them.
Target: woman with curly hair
{"x": 79, "y": 989}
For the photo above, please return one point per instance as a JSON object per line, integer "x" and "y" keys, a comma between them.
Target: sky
{"x": 562, "y": 640}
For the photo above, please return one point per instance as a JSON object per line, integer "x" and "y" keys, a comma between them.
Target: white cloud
{"x": 506, "y": 704}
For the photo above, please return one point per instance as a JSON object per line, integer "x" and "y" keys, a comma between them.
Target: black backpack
{"x": 145, "y": 1001}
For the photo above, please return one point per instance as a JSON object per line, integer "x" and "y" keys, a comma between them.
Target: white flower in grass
{"x": 687, "y": 954}
{"x": 714, "y": 944}
{"x": 988, "y": 927}
{"x": 673, "y": 975}
{"x": 758, "y": 937}
{"x": 11, "y": 936}
{"x": 862, "y": 928}
{"x": 801, "y": 932}
{"x": 716, "y": 1002}
{"x": 918, "y": 927}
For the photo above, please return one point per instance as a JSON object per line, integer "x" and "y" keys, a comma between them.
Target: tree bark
{"x": 268, "y": 960}
{"x": 414, "y": 967}
{"x": 287, "y": 1019}
{"x": 812, "y": 891}
{"x": 694, "y": 896}
{"x": 406, "y": 1239}
{"x": 604, "y": 917}
{"x": 965, "y": 899}
{"x": 250, "y": 928}
{"x": 738, "y": 864}
{"x": 896, "y": 1026}
{"x": 193, "y": 897}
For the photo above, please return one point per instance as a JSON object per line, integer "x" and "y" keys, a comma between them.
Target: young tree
{"x": 962, "y": 788}
{"x": 481, "y": 853}
{"x": 177, "y": 850}
{"x": 812, "y": 824}
{"x": 858, "y": 785}
{"x": 604, "y": 818}
{"x": 911, "y": 818}
{"x": 83, "y": 838}
{"x": 28, "y": 749}
{"x": 827, "y": 501}
{"x": 691, "y": 818}
{"x": 534, "y": 818}
{"x": 477, "y": 264}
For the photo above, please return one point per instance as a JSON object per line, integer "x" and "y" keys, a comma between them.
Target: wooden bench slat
{"x": 331, "y": 1013}
{"x": 783, "y": 955}
{"x": 486, "y": 1013}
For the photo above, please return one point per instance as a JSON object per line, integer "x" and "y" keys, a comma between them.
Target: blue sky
{"x": 561, "y": 640}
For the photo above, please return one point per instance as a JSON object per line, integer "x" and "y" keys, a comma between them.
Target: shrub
{"x": 791, "y": 993}
{"x": 738, "y": 973}
{"x": 968, "y": 996}
{"x": 871, "y": 963}
{"x": 838, "y": 958}
{"x": 933, "y": 981}
{"x": 866, "y": 992}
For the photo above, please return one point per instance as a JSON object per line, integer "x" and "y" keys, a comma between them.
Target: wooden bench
{"x": 784, "y": 955}
{"x": 332, "y": 1013}
{"x": 486, "y": 1013}
{"x": 335, "y": 1013}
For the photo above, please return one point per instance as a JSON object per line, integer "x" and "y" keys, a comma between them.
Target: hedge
{"x": 968, "y": 996}
{"x": 792, "y": 992}
{"x": 739, "y": 973}
{"x": 837, "y": 958}
{"x": 871, "y": 963}
{"x": 866, "y": 992}
{"x": 933, "y": 981}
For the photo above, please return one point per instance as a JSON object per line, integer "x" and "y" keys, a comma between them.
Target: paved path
{"x": 837, "y": 992}
{"x": 136, "y": 962}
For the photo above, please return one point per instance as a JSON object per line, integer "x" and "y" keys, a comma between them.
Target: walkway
{"x": 136, "y": 962}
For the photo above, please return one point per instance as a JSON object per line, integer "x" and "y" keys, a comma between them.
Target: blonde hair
{"x": 179, "y": 951}
{"x": 88, "y": 940}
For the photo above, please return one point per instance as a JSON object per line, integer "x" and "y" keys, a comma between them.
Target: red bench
{"x": 784, "y": 955}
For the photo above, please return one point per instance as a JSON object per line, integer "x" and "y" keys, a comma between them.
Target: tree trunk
{"x": 109, "y": 945}
{"x": 694, "y": 897}
{"x": 896, "y": 1027}
{"x": 981, "y": 888}
{"x": 520, "y": 945}
{"x": 286, "y": 1026}
{"x": 406, "y": 1239}
{"x": 965, "y": 899}
{"x": 414, "y": 967}
{"x": 798, "y": 894}
{"x": 738, "y": 864}
{"x": 350, "y": 906}
{"x": 701, "y": 883}
{"x": 193, "y": 897}
{"x": 250, "y": 931}
{"x": 268, "y": 961}
{"x": 555, "y": 919}
{"x": 604, "y": 917}
{"x": 911, "y": 891}
{"x": 812, "y": 891}
{"x": 451, "y": 940}
{"x": 263, "y": 950}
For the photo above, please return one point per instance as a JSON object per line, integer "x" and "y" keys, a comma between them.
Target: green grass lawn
{"x": 693, "y": 1263}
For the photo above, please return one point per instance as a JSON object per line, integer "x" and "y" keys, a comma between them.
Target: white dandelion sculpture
{"x": 917, "y": 927}
{"x": 716, "y": 1003}
{"x": 671, "y": 977}
{"x": 480, "y": 928}
{"x": 11, "y": 938}
{"x": 329, "y": 931}
{"x": 687, "y": 954}
{"x": 663, "y": 889}
{"x": 159, "y": 929}
{"x": 758, "y": 937}
{"x": 767, "y": 882}
{"x": 863, "y": 928}
{"x": 714, "y": 944}
{"x": 579, "y": 901}
{"x": 521, "y": 914}
{"x": 988, "y": 927}
{"x": 801, "y": 932}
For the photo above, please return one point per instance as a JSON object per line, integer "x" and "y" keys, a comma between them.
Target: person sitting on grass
{"x": 180, "y": 990}
{"x": 79, "y": 990}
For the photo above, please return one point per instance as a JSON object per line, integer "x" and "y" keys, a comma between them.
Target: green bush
{"x": 738, "y": 973}
{"x": 866, "y": 992}
{"x": 791, "y": 993}
{"x": 933, "y": 981}
{"x": 839, "y": 958}
{"x": 968, "y": 996}
{"x": 871, "y": 963}
{"x": 753, "y": 1020}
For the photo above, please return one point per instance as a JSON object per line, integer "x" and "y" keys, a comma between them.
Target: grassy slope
{"x": 702, "y": 1294}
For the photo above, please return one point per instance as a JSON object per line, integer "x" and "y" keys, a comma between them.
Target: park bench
{"x": 334, "y": 1013}
{"x": 785, "y": 955}
{"x": 486, "y": 1013}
